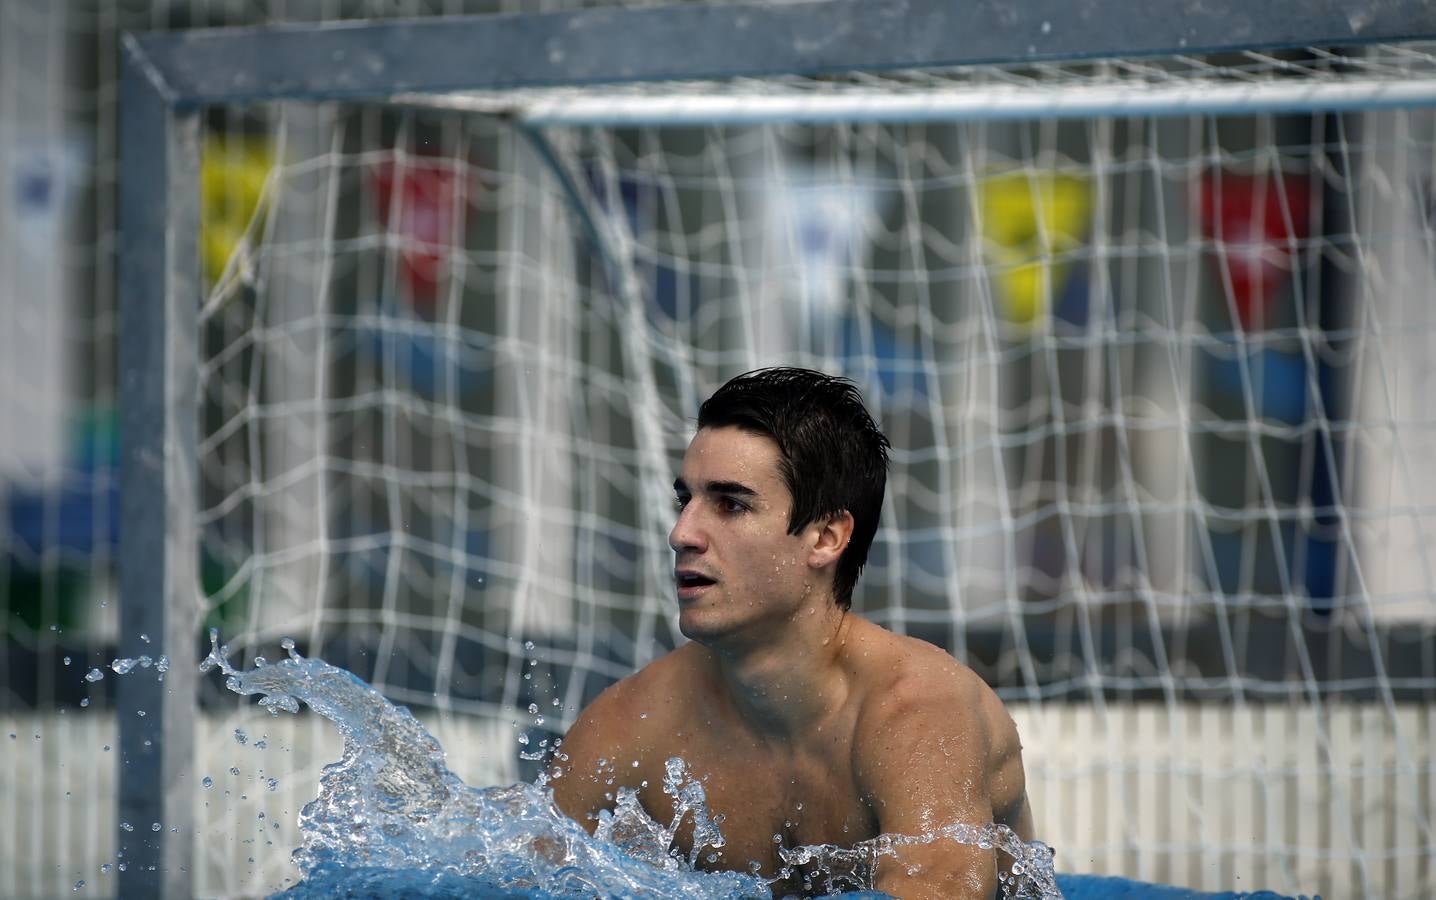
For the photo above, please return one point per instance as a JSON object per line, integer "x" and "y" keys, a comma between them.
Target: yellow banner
{"x": 1031, "y": 223}
{"x": 232, "y": 175}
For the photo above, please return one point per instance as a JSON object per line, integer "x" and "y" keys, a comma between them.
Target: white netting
{"x": 1153, "y": 386}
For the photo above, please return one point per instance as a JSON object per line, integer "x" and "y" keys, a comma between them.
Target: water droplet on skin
{"x": 234, "y": 770}
{"x": 79, "y": 884}
{"x": 67, "y": 660}
{"x": 145, "y": 638}
{"x": 533, "y": 709}
{"x": 94, "y": 675}
{"x": 105, "y": 869}
{"x": 240, "y": 737}
{"x": 155, "y": 826}
{"x": 85, "y": 702}
{"x": 528, "y": 645}
{"x": 126, "y": 826}
{"x": 272, "y": 784}
{"x": 207, "y": 782}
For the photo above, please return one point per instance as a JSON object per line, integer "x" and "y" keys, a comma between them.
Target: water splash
{"x": 392, "y": 819}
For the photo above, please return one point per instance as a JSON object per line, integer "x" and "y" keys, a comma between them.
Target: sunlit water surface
{"x": 391, "y": 819}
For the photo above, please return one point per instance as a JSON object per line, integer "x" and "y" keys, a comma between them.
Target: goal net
{"x": 1151, "y": 338}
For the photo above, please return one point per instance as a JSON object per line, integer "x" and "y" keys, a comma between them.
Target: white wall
{"x": 1215, "y": 798}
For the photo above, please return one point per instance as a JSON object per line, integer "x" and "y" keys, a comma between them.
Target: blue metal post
{"x": 158, "y": 306}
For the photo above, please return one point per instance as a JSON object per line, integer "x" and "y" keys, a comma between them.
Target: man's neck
{"x": 790, "y": 684}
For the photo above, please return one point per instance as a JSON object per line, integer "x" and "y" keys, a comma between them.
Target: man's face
{"x": 735, "y": 565}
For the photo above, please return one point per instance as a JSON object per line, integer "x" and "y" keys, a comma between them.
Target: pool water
{"x": 392, "y": 820}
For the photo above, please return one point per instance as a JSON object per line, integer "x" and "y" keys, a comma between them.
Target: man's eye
{"x": 679, "y": 502}
{"x": 728, "y": 504}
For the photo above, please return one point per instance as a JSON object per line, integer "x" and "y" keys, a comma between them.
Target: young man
{"x": 805, "y": 723}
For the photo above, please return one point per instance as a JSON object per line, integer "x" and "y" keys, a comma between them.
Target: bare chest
{"x": 765, "y": 803}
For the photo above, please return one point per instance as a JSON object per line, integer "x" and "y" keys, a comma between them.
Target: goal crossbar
{"x": 443, "y": 54}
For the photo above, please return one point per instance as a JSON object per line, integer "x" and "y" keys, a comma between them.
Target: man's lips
{"x": 691, "y": 582}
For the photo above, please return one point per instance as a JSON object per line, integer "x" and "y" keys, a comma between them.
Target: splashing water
{"x": 391, "y": 818}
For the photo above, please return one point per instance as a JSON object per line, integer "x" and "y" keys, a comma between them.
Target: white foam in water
{"x": 391, "y": 818}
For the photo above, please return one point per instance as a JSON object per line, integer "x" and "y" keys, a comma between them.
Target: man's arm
{"x": 597, "y": 755}
{"x": 923, "y": 761}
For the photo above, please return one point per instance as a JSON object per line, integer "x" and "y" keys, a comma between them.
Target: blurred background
{"x": 1157, "y": 388}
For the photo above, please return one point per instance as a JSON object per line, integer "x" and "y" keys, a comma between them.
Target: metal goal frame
{"x": 168, "y": 79}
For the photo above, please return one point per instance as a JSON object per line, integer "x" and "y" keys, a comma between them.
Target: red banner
{"x": 424, "y": 200}
{"x": 1255, "y": 223}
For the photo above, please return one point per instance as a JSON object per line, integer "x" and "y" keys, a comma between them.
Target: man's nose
{"x": 687, "y": 532}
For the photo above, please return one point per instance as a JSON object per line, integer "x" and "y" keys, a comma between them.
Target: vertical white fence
{"x": 1214, "y": 798}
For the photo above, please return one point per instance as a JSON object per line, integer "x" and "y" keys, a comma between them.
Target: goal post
{"x": 1119, "y": 458}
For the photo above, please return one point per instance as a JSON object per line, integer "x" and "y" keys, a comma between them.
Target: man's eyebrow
{"x": 732, "y": 488}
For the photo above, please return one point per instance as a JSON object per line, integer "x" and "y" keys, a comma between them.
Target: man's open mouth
{"x": 686, "y": 579}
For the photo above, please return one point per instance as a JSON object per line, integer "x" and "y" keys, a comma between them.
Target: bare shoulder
{"x": 920, "y": 702}
{"x": 912, "y": 681}
{"x": 621, "y": 736}
{"x": 651, "y": 692}
{"x": 933, "y": 746}
{"x": 648, "y": 701}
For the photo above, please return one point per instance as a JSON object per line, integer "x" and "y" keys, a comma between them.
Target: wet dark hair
{"x": 832, "y": 455}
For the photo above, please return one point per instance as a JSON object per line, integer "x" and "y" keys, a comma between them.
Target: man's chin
{"x": 695, "y": 626}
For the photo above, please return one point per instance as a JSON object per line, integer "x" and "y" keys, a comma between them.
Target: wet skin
{"x": 803, "y": 721}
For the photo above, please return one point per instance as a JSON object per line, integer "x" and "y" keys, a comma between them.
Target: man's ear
{"x": 833, "y": 535}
